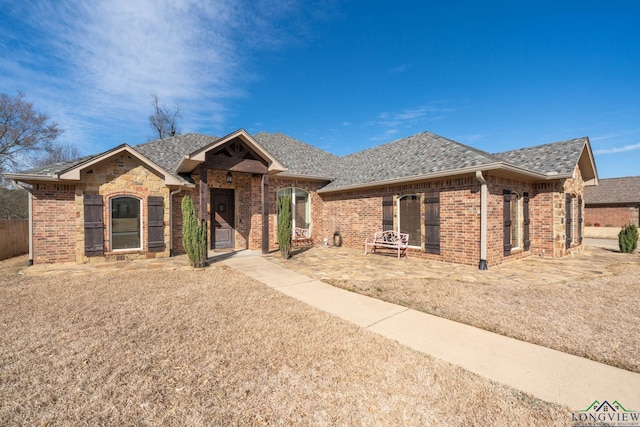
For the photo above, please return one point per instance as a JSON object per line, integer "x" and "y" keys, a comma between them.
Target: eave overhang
{"x": 74, "y": 173}
{"x": 536, "y": 176}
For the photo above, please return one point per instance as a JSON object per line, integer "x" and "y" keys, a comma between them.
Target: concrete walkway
{"x": 545, "y": 373}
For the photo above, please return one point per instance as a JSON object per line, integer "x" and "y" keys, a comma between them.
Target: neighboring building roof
{"x": 420, "y": 156}
{"x": 614, "y": 191}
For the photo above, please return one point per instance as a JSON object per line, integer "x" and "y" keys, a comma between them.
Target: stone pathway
{"x": 329, "y": 263}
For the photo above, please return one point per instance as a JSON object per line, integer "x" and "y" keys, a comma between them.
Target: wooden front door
{"x": 222, "y": 218}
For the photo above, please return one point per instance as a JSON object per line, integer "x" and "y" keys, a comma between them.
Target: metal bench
{"x": 390, "y": 240}
{"x": 301, "y": 236}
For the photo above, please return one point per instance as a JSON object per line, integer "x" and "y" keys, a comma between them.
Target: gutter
{"x": 483, "y": 221}
{"x": 30, "y": 198}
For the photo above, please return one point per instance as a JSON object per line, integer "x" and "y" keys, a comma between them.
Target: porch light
{"x": 229, "y": 178}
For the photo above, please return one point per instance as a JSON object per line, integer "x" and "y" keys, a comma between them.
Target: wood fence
{"x": 14, "y": 237}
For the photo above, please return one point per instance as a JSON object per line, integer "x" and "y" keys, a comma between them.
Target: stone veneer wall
{"x": 574, "y": 186}
{"x": 121, "y": 175}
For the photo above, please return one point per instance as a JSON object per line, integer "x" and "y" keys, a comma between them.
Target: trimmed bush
{"x": 284, "y": 225}
{"x": 194, "y": 234}
{"x": 628, "y": 239}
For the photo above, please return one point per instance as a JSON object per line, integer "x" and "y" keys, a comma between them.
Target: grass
{"x": 214, "y": 347}
{"x": 594, "y": 316}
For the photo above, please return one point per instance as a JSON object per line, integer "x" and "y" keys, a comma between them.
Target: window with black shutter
{"x": 567, "y": 220}
{"x": 156, "y": 224}
{"x": 387, "y": 213}
{"x": 93, "y": 225}
{"x": 432, "y": 223}
{"x": 526, "y": 221}
{"x": 506, "y": 215}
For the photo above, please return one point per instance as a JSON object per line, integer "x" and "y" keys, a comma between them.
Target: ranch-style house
{"x": 457, "y": 203}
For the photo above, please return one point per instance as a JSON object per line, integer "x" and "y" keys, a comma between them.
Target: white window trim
{"x": 111, "y": 224}
{"x": 293, "y": 206}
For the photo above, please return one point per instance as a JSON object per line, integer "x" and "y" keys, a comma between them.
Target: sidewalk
{"x": 545, "y": 373}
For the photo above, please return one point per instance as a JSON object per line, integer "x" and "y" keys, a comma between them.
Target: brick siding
{"x": 612, "y": 216}
{"x": 54, "y": 223}
{"x": 355, "y": 214}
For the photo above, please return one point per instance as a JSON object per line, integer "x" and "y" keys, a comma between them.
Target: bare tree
{"x": 24, "y": 132}
{"x": 13, "y": 203}
{"x": 164, "y": 120}
{"x": 57, "y": 153}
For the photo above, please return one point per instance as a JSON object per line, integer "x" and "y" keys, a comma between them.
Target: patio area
{"x": 328, "y": 263}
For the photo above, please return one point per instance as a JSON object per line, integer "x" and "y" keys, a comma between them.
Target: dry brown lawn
{"x": 597, "y": 317}
{"x": 215, "y": 347}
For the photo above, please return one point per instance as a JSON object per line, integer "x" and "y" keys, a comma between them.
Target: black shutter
{"x": 506, "y": 214}
{"x": 432, "y": 223}
{"x": 156, "y": 224}
{"x": 93, "y": 225}
{"x": 526, "y": 221}
{"x": 567, "y": 220}
{"x": 387, "y": 213}
{"x": 580, "y": 219}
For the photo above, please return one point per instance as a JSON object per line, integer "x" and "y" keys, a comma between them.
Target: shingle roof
{"x": 166, "y": 153}
{"x": 560, "y": 157}
{"x": 416, "y": 155}
{"x": 55, "y": 168}
{"x": 614, "y": 191}
{"x": 299, "y": 158}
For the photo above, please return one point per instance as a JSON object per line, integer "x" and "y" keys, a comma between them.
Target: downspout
{"x": 171, "y": 194}
{"x": 483, "y": 221}
{"x": 30, "y": 198}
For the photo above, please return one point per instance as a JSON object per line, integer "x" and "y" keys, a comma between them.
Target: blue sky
{"x": 340, "y": 75}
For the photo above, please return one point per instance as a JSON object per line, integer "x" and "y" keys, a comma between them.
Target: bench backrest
{"x": 300, "y": 233}
{"x": 391, "y": 237}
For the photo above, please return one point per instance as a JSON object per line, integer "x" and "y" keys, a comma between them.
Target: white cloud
{"x": 412, "y": 115}
{"x": 92, "y": 65}
{"x": 614, "y": 150}
{"x": 400, "y": 68}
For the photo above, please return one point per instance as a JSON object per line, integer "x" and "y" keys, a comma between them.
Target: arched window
{"x": 300, "y": 207}
{"x": 126, "y": 223}
{"x": 409, "y": 219}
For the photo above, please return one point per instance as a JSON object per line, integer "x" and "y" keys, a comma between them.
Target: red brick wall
{"x": 358, "y": 214}
{"x": 54, "y": 223}
{"x": 611, "y": 217}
